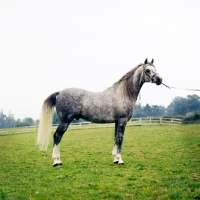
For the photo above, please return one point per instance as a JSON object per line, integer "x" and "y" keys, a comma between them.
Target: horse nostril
{"x": 158, "y": 80}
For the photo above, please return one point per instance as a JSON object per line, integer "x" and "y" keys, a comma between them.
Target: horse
{"x": 113, "y": 105}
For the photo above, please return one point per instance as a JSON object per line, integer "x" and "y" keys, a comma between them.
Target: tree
{"x": 158, "y": 110}
{"x": 139, "y": 112}
{"x": 194, "y": 117}
{"x": 6, "y": 121}
{"x": 148, "y": 110}
{"x": 25, "y": 122}
{"x": 193, "y": 102}
{"x": 177, "y": 107}
{"x": 10, "y": 121}
{"x": 29, "y": 121}
{"x": 162, "y": 110}
{"x": 2, "y": 119}
{"x": 181, "y": 106}
{"x": 20, "y": 123}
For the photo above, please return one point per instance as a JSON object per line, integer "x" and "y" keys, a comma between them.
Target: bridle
{"x": 146, "y": 63}
{"x": 146, "y": 73}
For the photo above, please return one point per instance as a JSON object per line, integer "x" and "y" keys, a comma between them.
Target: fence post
{"x": 160, "y": 120}
{"x": 140, "y": 121}
{"x": 150, "y": 121}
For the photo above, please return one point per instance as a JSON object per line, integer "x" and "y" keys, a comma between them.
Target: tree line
{"x": 8, "y": 121}
{"x": 187, "y": 108}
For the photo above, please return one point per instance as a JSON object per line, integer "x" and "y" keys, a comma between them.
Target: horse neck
{"x": 130, "y": 89}
{"x": 138, "y": 81}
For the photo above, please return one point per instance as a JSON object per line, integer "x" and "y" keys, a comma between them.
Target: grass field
{"x": 161, "y": 162}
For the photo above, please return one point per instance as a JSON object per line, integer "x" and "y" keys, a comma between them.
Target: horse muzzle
{"x": 157, "y": 80}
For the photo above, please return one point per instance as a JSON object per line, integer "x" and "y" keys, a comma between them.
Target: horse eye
{"x": 148, "y": 71}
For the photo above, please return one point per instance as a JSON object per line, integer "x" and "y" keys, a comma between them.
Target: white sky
{"x": 49, "y": 45}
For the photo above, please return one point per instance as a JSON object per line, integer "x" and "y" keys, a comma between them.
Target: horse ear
{"x": 152, "y": 61}
{"x": 146, "y": 61}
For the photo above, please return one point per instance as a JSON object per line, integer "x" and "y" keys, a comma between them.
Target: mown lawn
{"x": 161, "y": 162}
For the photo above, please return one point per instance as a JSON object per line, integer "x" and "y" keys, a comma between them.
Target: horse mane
{"x": 124, "y": 85}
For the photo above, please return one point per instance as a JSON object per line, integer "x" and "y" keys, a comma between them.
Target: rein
{"x": 180, "y": 88}
{"x": 169, "y": 87}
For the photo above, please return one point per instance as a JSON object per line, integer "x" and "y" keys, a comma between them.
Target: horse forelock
{"x": 125, "y": 86}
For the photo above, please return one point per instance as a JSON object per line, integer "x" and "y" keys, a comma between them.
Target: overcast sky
{"x": 49, "y": 45}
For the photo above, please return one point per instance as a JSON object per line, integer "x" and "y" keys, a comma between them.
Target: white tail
{"x": 45, "y": 125}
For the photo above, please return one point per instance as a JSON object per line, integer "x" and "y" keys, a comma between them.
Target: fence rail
{"x": 86, "y": 125}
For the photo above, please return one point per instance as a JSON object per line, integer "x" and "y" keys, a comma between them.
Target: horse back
{"x": 78, "y": 103}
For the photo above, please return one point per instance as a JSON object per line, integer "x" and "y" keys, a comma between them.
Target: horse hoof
{"x": 121, "y": 163}
{"x": 115, "y": 162}
{"x": 57, "y": 164}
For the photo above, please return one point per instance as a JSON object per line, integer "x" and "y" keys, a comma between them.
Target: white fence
{"x": 133, "y": 122}
{"x": 155, "y": 121}
{"x": 86, "y": 125}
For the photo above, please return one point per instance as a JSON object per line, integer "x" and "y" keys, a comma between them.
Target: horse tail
{"x": 45, "y": 125}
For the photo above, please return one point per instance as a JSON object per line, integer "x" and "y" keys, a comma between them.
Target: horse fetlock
{"x": 120, "y": 161}
{"x": 118, "y": 156}
{"x": 55, "y": 157}
{"x": 57, "y": 162}
{"x": 114, "y": 151}
{"x": 116, "y": 161}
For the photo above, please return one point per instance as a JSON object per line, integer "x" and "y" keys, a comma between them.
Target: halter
{"x": 150, "y": 76}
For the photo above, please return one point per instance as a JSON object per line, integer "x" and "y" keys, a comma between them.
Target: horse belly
{"x": 99, "y": 116}
{"x": 98, "y": 111}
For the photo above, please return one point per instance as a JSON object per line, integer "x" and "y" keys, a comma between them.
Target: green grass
{"x": 161, "y": 162}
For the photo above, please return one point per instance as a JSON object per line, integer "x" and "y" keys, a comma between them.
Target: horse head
{"x": 150, "y": 74}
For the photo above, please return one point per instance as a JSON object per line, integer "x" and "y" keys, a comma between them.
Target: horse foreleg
{"x": 114, "y": 151}
{"x": 117, "y": 155}
{"x": 56, "y": 149}
{"x": 119, "y": 133}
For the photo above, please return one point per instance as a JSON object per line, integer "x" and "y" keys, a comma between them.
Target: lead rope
{"x": 180, "y": 88}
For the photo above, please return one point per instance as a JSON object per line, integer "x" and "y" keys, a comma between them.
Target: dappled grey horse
{"x": 114, "y": 105}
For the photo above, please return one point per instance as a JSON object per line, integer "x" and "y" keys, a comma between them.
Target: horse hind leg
{"x": 56, "y": 155}
{"x": 57, "y": 138}
{"x": 114, "y": 154}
